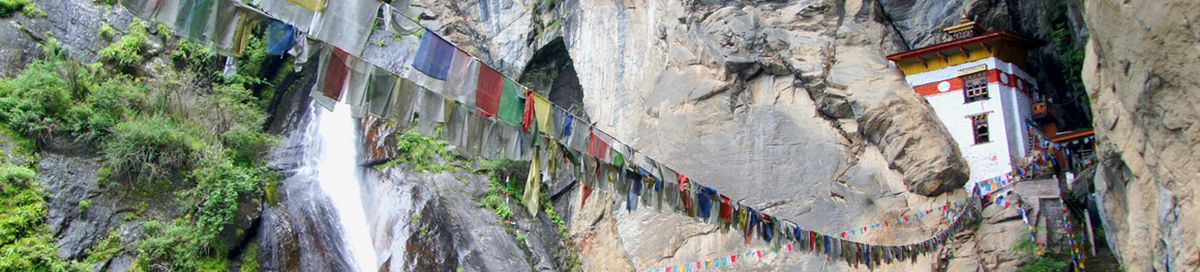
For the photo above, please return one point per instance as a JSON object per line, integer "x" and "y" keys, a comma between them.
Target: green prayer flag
{"x": 512, "y": 105}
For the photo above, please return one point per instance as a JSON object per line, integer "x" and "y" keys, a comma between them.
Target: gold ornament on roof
{"x": 965, "y": 28}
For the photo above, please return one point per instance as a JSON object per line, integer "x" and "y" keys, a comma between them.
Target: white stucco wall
{"x": 1006, "y": 107}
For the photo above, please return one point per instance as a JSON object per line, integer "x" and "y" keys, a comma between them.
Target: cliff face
{"x": 790, "y": 107}
{"x": 1142, "y": 80}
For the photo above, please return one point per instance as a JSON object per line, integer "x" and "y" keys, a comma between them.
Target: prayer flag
{"x": 487, "y": 91}
{"x": 543, "y": 109}
{"x": 533, "y": 186}
{"x": 379, "y": 92}
{"x": 527, "y": 118}
{"x": 462, "y": 78}
{"x": 598, "y": 148}
{"x": 314, "y": 5}
{"x": 345, "y": 24}
{"x": 434, "y": 56}
{"x": 510, "y": 102}
{"x": 280, "y": 38}
{"x": 336, "y": 70}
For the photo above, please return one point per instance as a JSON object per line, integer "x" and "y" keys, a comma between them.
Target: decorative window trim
{"x": 980, "y": 128}
{"x": 975, "y": 87}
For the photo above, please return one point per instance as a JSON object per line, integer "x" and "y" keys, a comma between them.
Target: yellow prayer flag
{"x": 314, "y": 5}
{"x": 533, "y": 186}
{"x": 542, "y": 110}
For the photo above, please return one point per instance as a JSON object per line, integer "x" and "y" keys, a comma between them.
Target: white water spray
{"x": 339, "y": 175}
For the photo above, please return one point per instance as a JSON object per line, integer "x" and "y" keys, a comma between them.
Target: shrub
{"x": 424, "y": 153}
{"x": 7, "y": 7}
{"x": 126, "y": 53}
{"x": 150, "y": 149}
{"x": 25, "y": 243}
{"x": 29, "y": 102}
{"x": 193, "y": 55}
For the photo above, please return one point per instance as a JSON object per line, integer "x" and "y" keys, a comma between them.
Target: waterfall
{"x": 340, "y": 177}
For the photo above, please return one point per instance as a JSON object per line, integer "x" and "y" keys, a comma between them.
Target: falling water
{"x": 340, "y": 177}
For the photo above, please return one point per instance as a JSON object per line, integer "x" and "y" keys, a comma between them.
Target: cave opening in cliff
{"x": 551, "y": 73}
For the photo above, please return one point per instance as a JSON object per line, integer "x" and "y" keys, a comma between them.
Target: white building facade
{"x": 984, "y": 104}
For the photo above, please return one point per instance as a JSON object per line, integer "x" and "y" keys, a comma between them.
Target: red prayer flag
{"x": 597, "y": 147}
{"x": 527, "y": 118}
{"x": 733, "y": 258}
{"x": 726, "y": 210}
{"x": 487, "y": 91}
{"x": 682, "y": 180}
{"x": 587, "y": 190}
{"x": 335, "y": 73}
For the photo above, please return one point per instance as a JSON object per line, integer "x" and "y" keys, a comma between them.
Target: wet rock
{"x": 77, "y": 211}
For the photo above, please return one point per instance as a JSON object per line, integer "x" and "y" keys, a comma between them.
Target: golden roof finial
{"x": 964, "y": 24}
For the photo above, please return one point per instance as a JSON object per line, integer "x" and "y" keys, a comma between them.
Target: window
{"x": 975, "y": 87}
{"x": 979, "y": 124}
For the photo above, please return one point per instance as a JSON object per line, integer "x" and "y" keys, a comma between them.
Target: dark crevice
{"x": 551, "y": 73}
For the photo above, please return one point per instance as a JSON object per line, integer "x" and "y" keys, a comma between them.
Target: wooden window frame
{"x": 980, "y": 121}
{"x": 975, "y": 87}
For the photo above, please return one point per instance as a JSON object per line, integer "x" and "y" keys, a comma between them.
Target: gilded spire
{"x": 964, "y": 29}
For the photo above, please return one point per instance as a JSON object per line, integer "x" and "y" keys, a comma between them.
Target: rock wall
{"x": 1142, "y": 79}
{"x": 791, "y": 107}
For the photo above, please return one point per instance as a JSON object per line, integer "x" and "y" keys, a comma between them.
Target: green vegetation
{"x": 128, "y": 52}
{"x": 424, "y": 153}
{"x": 27, "y": 8}
{"x": 107, "y": 32}
{"x": 186, "y": 141}
{"x": 1070, "y": 61}
{"x": 250, "y": 258}
{"x": 1044, "y": 263}
{"x": 25, "y": 241}
{"x": 7, "y": 7}
{"x": 106, "y": 2}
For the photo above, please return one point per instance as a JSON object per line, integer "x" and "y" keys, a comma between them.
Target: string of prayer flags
{"x": 491, "y": 133}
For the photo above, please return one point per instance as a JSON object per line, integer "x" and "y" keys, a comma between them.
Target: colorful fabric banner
{"x": 527, "y": 115}
{"x": 434, "y": 56}
{"x": 597, "y": 147}
{"x": 194, "y": 19}
{"x": 511, "y": 102}
{"x": 345, "y": 24}
{"x": 336, "y": 70}
{"x": 488, "y": 90}
{"x": 280, "y": 38}
{"x": 533, "y": 187}
{"x": 543, "y": 111}
{"x": 314, "y": 5}
{"x": 379, "y": 92}
{"x": 402, "y": 106}
{"x": 233, "y": 27}
{"x": 462, "y": 77}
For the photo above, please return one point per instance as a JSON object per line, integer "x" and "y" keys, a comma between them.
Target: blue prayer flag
{"x": 280, "y": 38}
{"x": 434, "y": 56}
